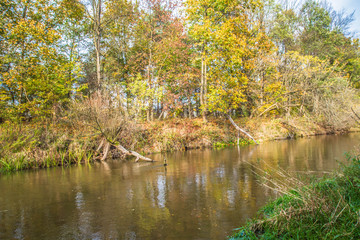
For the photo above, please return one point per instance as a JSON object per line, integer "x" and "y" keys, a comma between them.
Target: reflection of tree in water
{"x": 202, "y": 194}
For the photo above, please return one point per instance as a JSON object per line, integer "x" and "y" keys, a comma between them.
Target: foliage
{"x": 228, "y": 39}
{"x": 315, "y": 87}
{"x": 165, "y": 59}
{"x": 35, "y": 74}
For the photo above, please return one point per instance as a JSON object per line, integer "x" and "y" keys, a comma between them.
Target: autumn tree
{"x": 200, "y": 17}
{"x": 284, "y": 30}
{"x": 34, "y": 73}
{"x": 158, "y": 59}
{"x": 230, "y": 40}
{"x": 94, "y": 13}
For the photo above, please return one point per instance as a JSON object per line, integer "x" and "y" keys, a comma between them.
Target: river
{"x": 201, "y": 194}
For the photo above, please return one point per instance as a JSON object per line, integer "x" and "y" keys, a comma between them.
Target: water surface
{"x": 201, "y": 194}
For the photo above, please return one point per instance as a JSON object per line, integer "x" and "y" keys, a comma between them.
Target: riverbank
{"x": 325, "y": 209}
{"x": 43, "y": 145}
{"x": 177, "y": 135}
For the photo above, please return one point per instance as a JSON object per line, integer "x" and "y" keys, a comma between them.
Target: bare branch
{"x": 241, "y": 130}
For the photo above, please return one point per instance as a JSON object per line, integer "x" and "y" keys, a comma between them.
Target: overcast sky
{"x": 349, "y": 6}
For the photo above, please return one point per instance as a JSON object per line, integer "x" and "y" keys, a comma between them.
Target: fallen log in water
{"x": 133, "y": 153}
{"x": 108, "y": 144}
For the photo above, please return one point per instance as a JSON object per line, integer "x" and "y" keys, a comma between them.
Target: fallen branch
{"x": 241, "y": 130}
{"x": 268, "y": 109}
{"x": 133, "y": 153}
{"x": 357, "y": 116}
{"x": 106, "y": 144}
{"x": 100, "y": 146}
{"x": 106, "y": 151}
{"x": 357, "y": 121}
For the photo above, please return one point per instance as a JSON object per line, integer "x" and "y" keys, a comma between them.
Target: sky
{"x": 349, "y": 6}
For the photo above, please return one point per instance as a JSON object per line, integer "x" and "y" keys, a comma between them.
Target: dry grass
{"x": 181, "y": 134}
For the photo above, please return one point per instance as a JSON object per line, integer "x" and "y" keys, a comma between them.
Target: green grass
{"x": 326, "y": 209}
{"x": 240, "y": 142}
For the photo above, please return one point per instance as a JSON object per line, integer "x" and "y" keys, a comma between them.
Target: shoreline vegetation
{"x": 44, "y": 145}
{"x": 84, "y": 81}
{"x": 326, "y": 208}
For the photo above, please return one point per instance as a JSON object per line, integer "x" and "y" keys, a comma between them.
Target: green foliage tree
{"x": 284, "y": 29}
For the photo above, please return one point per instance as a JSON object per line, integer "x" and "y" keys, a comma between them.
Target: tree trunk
{"x": 98, "y": 63}
{"x": 202, "y": 86}
{"x": 106, "y": 151}
{"x": 150, "y": 108}
{"x": 189, "y": 108}
{"x": 97, "y": 38}
{"x": 205, "y": 91}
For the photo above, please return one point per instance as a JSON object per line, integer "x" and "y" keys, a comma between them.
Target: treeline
{"x": 157, "y": 59}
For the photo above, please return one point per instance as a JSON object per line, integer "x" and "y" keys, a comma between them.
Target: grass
{"x": 34, "y": 146}
{"x": 182, "y": 134}
{"x": 324, "y": 209}
{"x": 240, "y": 142}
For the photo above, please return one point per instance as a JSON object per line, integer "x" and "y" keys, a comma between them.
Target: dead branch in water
{"x": 106, "y": 151}
{"x": 133, "y": 153}
{"x": 118, "y": 146}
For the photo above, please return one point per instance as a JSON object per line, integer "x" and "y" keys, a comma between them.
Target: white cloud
{"x": 349, "y": 6}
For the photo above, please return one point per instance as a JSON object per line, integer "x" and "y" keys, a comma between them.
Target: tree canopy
{"x": 160, "y": 59}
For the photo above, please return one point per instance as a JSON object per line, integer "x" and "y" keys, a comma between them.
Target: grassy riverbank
{"x": 325, "y": 209}
{"x": 43, "y": 145}
{"x": 30, "y": 146}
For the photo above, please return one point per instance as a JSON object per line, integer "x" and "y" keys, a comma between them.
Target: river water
{"x": 201, "y": 194}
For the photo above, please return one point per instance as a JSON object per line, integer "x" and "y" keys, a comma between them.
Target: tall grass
{"x": 37, "y": 146}
{"x": 325, "y": 209}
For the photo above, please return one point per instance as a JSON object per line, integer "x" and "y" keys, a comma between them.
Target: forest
{"x": 94, "y": 74}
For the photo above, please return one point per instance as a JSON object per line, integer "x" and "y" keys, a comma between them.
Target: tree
{"x": 230, "y": 40}
{"x": 316, "y": 23}
{"x": 94, "y": 13}
{"x": 316, "y": 88}
{"x": 158, "y": 56}
{"x": 34, "y": 73}
{"x": 199, "y": 19}
{"x": 284, "y": 30}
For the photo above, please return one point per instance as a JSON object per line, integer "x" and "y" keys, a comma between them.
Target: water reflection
{"x": 199, "y": 195}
